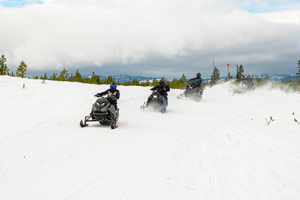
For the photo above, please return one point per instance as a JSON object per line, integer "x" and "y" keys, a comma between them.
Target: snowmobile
{"x": 156, "y": 102}
{"x": 247, "y": 83}
{"x": 191, "y": 93}
{"x": 100, "y": 113}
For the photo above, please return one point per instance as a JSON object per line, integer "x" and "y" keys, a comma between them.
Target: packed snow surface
{"x": 218, "y": 149}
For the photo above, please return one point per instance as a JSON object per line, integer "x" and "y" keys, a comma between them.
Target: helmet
{"x": 161, "y": 82}
{"x": 113, "y": 85}
{"x": 198, "y": 74}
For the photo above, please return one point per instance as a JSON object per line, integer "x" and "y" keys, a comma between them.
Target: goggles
{"x": 113, "y": 87}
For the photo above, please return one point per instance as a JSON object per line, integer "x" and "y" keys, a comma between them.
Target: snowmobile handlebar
{"x": 113, "y": 97}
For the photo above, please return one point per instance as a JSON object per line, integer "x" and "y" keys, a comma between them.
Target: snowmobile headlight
{"x": 97, "y": 104}
{"x": 154, "y": 96}
{"x": 102, "y": 104}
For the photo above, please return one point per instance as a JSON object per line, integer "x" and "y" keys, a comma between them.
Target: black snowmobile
{"x": 191, "y": 92}
{"x": 155, "y": 101}
{"x": 247, "y": 82}
{"x": 100, "y": 113}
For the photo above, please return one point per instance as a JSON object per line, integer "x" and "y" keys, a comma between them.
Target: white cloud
{"x": 72, "y": 33}
{"x": 291, "y": 17}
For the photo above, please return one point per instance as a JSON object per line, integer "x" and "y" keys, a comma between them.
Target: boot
{"x": 114, "y": 123}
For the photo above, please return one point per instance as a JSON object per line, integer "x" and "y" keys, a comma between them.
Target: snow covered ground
{"x": 218, "y": 149}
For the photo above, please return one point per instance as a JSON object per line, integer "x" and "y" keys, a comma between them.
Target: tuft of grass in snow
{"x": 270, "y": 120}
{"x": 295, "y": 120}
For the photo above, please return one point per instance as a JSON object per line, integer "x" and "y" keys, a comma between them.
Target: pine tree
{"x": 95, "y": 79}
{"x": 22, "y": 69}
{"x": 154, "y": 82}
{"x": 215, "y": 77}
{"x": 135, "y": 82}
{"x": 241, "y": 70}
{"x": 181, "y": 83}
{"x": 3, "y": 67}
{"x": 71, "y": 78}
{"x": 239, "y": 73}
{"x": 237, "y": 76}
{"x": 174, "y": 83}
{"x": 298, "y": 73}
{"x": 53, "y": 77}
{"x": 109, "y": 80}
{"x": 183, "y": 79}
{"x": 148, "y": 83}
{"x": 77, "y": 77}
{"x": 45, "y": 76}
{"x": 64, "y": 75}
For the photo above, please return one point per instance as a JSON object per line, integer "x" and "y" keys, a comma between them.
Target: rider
{"x": 113, "y": 96}
{"x": 195, "y": 83}
{"x": 248, "y": 81}
{"x": 162, "y": 88}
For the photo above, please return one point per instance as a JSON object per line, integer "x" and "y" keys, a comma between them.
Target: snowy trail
{"x": 219, "y": 148}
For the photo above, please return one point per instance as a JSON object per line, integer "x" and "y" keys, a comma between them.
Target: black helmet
{"x": 161, "y": 82}
{"x": 113, "y": 85}
{"x": 198, "y": 74}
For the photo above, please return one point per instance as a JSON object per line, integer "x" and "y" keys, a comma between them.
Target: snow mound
{"x": 224, "y": 147}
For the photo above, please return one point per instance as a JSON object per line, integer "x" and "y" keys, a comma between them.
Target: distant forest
{"x": 64, "y": 75}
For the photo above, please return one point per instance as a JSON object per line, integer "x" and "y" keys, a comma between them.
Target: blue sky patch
{"x": 259, "y": 6}
{"x": 18, "y": 3}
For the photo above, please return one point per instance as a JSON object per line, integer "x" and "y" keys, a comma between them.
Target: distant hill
{"x": 124, "y": 77}
{"x": 272, "y": 76}
{"x": 278, "y": 77}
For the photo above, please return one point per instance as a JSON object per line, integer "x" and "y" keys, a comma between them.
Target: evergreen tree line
{"x": 96, "y": 79}
{"x": 215, "y": 76}
{"x": 240, "y": 76}
{"x": 64, "y": 75}
{"x": 21, "y": 70}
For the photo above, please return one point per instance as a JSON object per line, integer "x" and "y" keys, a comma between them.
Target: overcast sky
{"x": 151, "y": 37}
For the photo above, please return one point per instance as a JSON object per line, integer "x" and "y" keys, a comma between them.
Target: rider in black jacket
{"x": 195, "y": 82}
{"x": 113, "y": 96}
{"x": 162, "y": 88}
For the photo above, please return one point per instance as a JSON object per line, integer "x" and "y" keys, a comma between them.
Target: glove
{"x": 112, "y": 97}
{"x": 97, "y": 95}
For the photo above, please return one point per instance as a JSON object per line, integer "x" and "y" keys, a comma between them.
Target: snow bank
{"x": 219, "y": 148}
